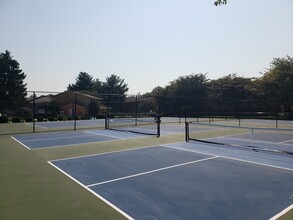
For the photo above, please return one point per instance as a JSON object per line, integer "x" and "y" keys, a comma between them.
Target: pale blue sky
{"x": 147, "y": 42}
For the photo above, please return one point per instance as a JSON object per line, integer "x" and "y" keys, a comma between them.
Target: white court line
{"x": 232, "y": 158}
{"x": 88, "y": 132}
{"x": 93, "y": 192}
{"x": 111, "y": 152}
{"x": 31, "y": 124}
{"x": 285, "y": 141}
{"x": 282, "y": 213}
{"x": 66, "y": 145}
{"x": 20, "y": 143}
{"x": 151, "y": 171}
{"x": 57, "y": 138}
{"x": 254, "y": 140}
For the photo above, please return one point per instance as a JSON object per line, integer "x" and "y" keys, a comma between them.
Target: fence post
{"x": 34, "y": 112}
{"x": 277, "y": 126}
{"x": 136, "y": 103}
{"x": 74, "y": 111}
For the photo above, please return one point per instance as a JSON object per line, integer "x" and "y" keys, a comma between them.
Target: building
{"x": 69, "y": 104}
{"x": 84, "y": 104}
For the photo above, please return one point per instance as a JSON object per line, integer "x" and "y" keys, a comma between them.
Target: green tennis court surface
{"x": 146, "y": 177}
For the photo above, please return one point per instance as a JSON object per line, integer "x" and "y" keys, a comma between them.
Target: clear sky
{"x": 146, "y": 42}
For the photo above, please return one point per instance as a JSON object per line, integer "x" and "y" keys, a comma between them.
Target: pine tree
{"x": 84, "y": 82}
{"x": 12, "y": 86}
{"x": 116, "y": 86}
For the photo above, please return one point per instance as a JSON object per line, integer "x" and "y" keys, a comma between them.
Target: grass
{"x": 287, "y": 216}
{"x": 32, "y": 189}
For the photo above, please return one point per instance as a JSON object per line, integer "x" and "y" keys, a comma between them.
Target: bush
{"x": 40, "y": 119}
{"x": 51, "y": 119}
{"x": 3, "y": 119}
{"x": 28, "y": 119}
{"x": 60, "y": 118}
{"x": 69, "y": 118}
{"x": 15, "y": 120}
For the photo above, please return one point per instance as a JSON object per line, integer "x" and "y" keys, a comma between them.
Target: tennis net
{"x": 258, "y": 139}
{"x": 147, "y": 125}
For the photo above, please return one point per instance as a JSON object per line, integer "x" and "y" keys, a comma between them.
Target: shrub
{"x": 3, "y": 119}
{"x": 51, "y": 119}
{"x": 60, "y": 118}
{"x": 15, "y": 120}
{"x": 28, "y": 119}
{"x": 40, "y": 119}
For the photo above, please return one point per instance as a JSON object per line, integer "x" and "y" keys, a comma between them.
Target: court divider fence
{"x": 43, "y": 111}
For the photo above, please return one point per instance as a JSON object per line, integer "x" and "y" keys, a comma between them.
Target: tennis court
{"x": 71, "y": 138}
{"x": 183, "y": 181}
{"x": 220, "y": 172}
{"x": 60, "y": 139}
{"x": 69, "y": 124}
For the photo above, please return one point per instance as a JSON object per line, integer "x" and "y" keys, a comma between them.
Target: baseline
{"x": 269, "y": 160}
{"x": 93, "y": 192}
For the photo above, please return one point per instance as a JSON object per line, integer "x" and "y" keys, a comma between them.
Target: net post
{"x": 106, "y": 122}
{"x": 251, "y": 140}
{"x": 186, "y": 131}
{"x": 158, "y": 126}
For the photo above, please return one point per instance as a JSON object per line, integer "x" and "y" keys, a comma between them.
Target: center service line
{"x": 152, "y": 171}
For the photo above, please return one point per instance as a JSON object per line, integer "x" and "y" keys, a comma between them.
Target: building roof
{"x": 41, "y": 99}
{"x": 79, "y": 94}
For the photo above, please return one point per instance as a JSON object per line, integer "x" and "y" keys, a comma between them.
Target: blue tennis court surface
{"x": 63, "y": 138}
{"x": 57, "y": 139}
{"x": 187, "y": 181}
{"x": 64, "y": 124}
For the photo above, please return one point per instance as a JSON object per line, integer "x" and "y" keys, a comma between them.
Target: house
{"x": 67, "y": 102}
{"x": 39, "y": 104}
{"x": 86, "y": 105}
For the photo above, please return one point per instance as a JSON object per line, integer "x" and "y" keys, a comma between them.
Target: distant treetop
{"x": 220, "y": 2}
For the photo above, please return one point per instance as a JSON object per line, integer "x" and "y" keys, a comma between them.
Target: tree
{"x": 115, "y": 85}
{"x": 84, "y": 82}
{"x": 183, "y": 95}
{"x": 97, "y": 86}
{"x": 220, "y": 2}
{"x": 12, "y": 86}
{"x": 189, "y": 93}
{"x": 229, "y": 93}
{"x": 277, "y": 82}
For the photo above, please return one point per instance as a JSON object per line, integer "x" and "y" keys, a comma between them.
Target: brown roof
{"x": 80, "y": 94}
{"x": 41, "y": 99}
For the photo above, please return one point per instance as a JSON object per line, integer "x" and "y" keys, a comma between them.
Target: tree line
{"x": 272, "y": 92}
{"x": 113, "y": 85}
